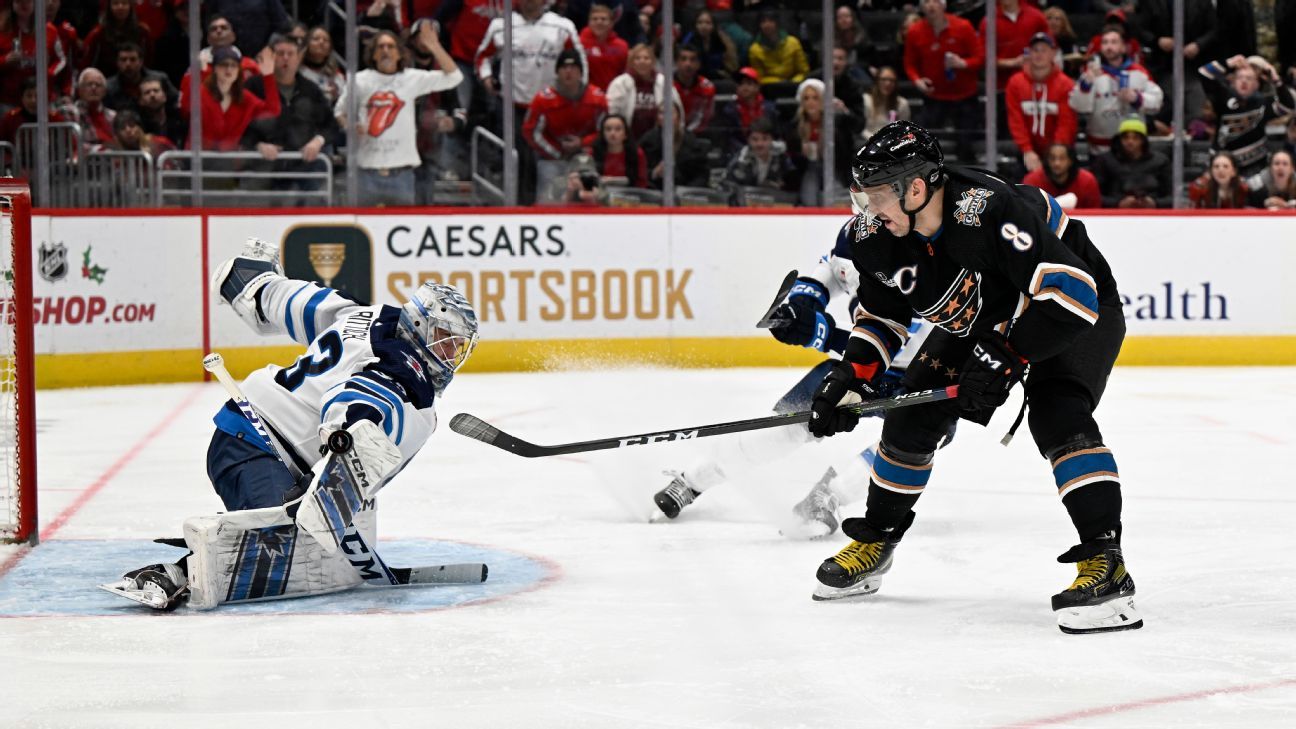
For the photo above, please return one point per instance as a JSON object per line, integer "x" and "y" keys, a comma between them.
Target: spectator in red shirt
{"x": 606, "y": 51}
{"x": 1061, "y": 175}
{"x": 89, "y": 111}
{"x": 943, "y": 57}
{"x": 129, "y": 136}
{"x": 1036, "y": 97}
{"x": 117, "y": 26}
{"x": 563, "y": 119}
{"x": 1133, "y": 49}
{"x": 1015, "y": 25}
{"x": 18, "y": 51}
{"x": 228, "y": 108}
{"x": 70, "y": 41}
{"x": 1221, "y": 186}
{"x": 748, "y": 106}
{"x": 24, "y": 114}
{"x": 619, "y": 160}
{"x": 696, "y": 91}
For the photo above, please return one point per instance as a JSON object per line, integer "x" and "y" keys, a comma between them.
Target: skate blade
{"x": 1113, "y": 615}
{"x": 157, "y": 601}
{"x": 824, "y": 593}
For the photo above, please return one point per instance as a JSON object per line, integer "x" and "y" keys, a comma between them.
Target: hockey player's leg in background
{"x": 901, "y": 470}
{"x": 1063, "y": 392}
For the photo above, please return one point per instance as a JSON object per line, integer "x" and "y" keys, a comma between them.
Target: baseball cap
{"x": 225, "y": 53}
{"x": 748, "y": 72}
{"x": 1132, "y": 125}
{"x": 1042, "y": 37}
{"x": 569, "y": 57}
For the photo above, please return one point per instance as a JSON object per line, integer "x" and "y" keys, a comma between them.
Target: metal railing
{"x": 7, "y": 153}
{"x": 62, "y": 158}
{"x": 243, "y": 178}
{"x": 117, "y": 179}
{"x": 484, "y": 183}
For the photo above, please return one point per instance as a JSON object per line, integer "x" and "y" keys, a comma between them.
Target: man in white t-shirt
{"x": 386, "y": 90}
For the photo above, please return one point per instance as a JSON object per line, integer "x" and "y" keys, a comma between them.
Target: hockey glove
{"x": 841, "y": 387}
{"x": 376, "y": 454}
{"x": 238, "y": 281}
{"x": 801, "y": 320}
{"x": 989, "y": 373}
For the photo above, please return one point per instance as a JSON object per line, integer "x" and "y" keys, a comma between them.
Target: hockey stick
{"x": 215, "y": 364}
{"x": 788, "y": 282}
{"x": 478, "y": 429}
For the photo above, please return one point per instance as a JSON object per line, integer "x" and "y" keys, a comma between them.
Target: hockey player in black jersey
{"x": 1018, "y": 294}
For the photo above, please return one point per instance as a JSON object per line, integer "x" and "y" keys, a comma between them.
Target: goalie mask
{"x": 442, "y": 326}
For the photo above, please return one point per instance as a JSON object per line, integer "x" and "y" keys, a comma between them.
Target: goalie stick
{"x": 478, "y": 429}
{"x": 788, "y": 282}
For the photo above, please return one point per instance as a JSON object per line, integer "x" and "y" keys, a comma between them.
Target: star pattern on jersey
{"x": 951, "y": 373}
{"x": 958, "y": 309}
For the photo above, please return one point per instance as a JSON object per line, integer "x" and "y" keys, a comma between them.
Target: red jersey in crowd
{"x": 699, "y": 103}
{"x": 924, "y": 57}
{"x": 553, "y": 116}
{"x": 1083, "y": 184}
{"x": 614, "y": 165}
{"x": 18, "y": 61}
{"x": 1038, "y": 111}
{"x": 470, "y": 27}
{"x": 1014, "y": 33}
{"x": 607, "y": 59}
{"x": 222, "y": 129}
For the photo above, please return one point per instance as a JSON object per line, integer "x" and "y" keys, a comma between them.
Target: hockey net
{"x": 17, "y": 370}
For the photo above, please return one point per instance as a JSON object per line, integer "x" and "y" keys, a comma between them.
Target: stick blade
{"x": 473, "y": 573}
{"x": 475, "y": 428}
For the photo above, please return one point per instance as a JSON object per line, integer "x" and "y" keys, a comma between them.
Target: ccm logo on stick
{"x": 659, "y": 438}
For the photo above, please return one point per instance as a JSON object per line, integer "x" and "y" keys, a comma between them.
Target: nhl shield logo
{"x": 53, "y": 262}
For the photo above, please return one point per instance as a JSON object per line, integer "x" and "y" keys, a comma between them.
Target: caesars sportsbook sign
{"x": 557, "y": 276}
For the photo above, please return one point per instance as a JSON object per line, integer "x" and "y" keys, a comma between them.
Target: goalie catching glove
{"x": 846, "y": 384}
{"x": 238, "y": 280}
{"x": 801, "y": 320}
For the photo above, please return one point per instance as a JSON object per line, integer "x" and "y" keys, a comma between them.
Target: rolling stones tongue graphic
{"x": 383, "y": 107}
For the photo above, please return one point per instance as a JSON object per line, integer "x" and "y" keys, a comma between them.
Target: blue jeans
{"x": 394, "y": 189}
{"x": 245, "y": 476}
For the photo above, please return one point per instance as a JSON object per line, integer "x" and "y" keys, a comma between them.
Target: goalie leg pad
{"x": 259, "y": 554}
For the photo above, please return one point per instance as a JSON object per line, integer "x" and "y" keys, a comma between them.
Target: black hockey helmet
{"x": 897, "y": 154}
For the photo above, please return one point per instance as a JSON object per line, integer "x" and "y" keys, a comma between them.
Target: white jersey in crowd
{"x": 536, "y": 45}
{"x": 1102, "y": 103}
{"x": 386, "y": 112}
{"x": 356, "y": 367}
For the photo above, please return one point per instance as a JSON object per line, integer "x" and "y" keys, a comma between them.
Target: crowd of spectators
{"x": 1083, "y": 91}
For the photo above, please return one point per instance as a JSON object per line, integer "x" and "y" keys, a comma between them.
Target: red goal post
{"x": 17, "y": 366}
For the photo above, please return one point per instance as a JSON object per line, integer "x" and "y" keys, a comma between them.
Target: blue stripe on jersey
{"x": 373, "y": 388}
{"x": 1073, "y": 287}
{"x": 308, "y": 318}
{"x": 352, "y": 396}
{"x": 292, "y": 331}
{"x": 1055, "y": 216}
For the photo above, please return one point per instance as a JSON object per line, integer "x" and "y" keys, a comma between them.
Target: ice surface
{"x": 706, "y": 621}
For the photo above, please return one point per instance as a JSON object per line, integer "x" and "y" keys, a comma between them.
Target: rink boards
{"x": 121, "y": 297}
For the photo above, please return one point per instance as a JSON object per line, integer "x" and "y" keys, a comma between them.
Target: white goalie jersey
{"x": 356, "y": 367}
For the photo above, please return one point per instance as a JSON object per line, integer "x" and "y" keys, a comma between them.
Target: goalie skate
{"x": 159, "y": 586}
